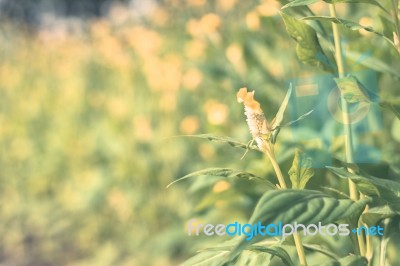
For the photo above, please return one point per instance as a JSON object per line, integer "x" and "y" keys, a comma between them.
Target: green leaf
{"x": 371, "y": 2}
{"x": 374, "y": 215}
{"x": 207, "y": 258}
{"x": 309, "y": 2}
{"x": 387, "y": 190}
{"x": 299, "y": 3}
{"x": 230, "y": 141}
{"x": 389, "y": 106}
{"x": 320, "y": 249}
{"x": 372, "y": 63}
{"x": 301, "y": 206}
{"x": 221, "y": 172}
{"x": 350, "y": 25}
{"x": 352, "y": 90}
{"x": 253, "y": 256}
{"x": 301, "y": 170}
{"x": 308, "y": 48}
{"x": 352, "y": 260}
{"x": 299, "y": 118}
{"x": 347, "y": 23}
{"x": 279, "y": 115}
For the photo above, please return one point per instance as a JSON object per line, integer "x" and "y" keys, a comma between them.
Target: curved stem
{"x": 282, "y": 184}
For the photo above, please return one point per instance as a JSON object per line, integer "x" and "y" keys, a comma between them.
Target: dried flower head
{"x": 256, "y": 120}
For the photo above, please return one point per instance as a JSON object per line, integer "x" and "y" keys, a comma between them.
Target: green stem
{"x": 345, "y": 117}
{"x": 277, "y": 169}
{"x": 384, "y": 241}
{"x": 282, "y": 184}
{"x": 396, "y": 16}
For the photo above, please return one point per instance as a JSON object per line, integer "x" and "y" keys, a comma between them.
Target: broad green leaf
{"x": 374, "y": 215}
{"x": 352, "y": 90}
{"x": 253, "y": 255}
{"x": 308, "y": 48}
{"x": 301, "y": 206}
{"x": 222, "y": 172}
{"x": 352, "y": 260}
{"x": 279, "y": 115}
{"x": 387, "y": 190}
{"x": 289, "y": 241}
{"x": 320, "y": 249}
{"x": 301, "y": 170}
{"x": 207, "y": 258}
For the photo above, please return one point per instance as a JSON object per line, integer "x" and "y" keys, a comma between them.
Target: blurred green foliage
{"x": 88, "y": 112}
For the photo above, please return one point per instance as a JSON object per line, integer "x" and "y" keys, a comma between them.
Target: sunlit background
{"x": 92, "y": 95}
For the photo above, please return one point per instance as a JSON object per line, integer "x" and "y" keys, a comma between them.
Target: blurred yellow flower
{"x": 234, "y": 54}
{"x": 192, "y": 79}
{"x": 196, "y": 3}
{"x": 216, "y": 112}
{"x": 189, "y": 125}
{"x": 221, "y": 186}
{"x": 142, "y": 128}
{"x": 208, "y": 24}
{"x": 226, "y": 5}
{"x": 195, "y": 49}
{"x": 269, "y": 8}
{"x": 164, "y": 74}
{"x": 253, "y": 21}
{"x": 144, "y": 41}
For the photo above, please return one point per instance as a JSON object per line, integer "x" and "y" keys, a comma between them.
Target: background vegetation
{"x": 89, "y": 108}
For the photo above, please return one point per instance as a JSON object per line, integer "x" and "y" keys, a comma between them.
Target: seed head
{"x": 256, "y": 120}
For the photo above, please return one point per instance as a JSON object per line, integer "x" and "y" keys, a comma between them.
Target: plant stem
{"x": 300, "y": 249}
{"x": 396, "y": 16}
{"x": 346, "y": 118}
{"x": 282, "y": 184}
{"x": 277, "y": 169}
{"x": 345, "y": 114}
{"x": 384, "y": 241}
